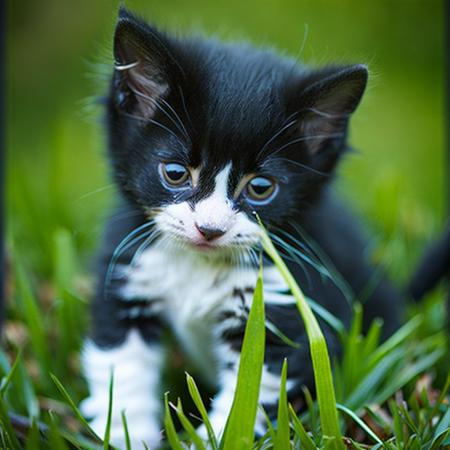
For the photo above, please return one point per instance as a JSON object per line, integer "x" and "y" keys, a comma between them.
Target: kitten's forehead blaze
{"x": 215, "y": 210}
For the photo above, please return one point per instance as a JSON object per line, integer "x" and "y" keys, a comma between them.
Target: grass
{"x": 398, "y": 398}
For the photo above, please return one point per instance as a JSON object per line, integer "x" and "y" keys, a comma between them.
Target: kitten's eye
{"x": 174, "y": 174}
{"x": 260, "y": 189}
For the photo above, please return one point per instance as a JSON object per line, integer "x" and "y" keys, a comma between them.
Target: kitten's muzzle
{"x": 210, "y": 233}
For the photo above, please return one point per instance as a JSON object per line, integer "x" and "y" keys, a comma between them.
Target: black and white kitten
{"x": 202, "y": 137}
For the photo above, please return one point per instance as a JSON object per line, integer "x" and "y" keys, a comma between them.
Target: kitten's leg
{"x": 222, "y": 402}
{"x": 125, "y": 337}
{"x": 136, "y": 367}
{"x": 300, "y": 373}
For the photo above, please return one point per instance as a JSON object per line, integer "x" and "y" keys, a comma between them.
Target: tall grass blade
{"x": 196, "y": 398}
{"x": 360, "y": 423}
{"x": 35, "y": 322}
{"x": 34, "y": 438}
{"x": 239, "y": 431}
{"x": 107, "y": 434}
{"x": 282, "y": 436}
{"x": 6, "y": 428}
{"x": 5, "y": 382}
{"x": 73, "y": 406}
{"x": 187, "y": 425}
{"x": 305, "y": 440}
{"x": 319, "y": 352}
{"x": 125, "y": 430}
{"x": 172, "y": 436}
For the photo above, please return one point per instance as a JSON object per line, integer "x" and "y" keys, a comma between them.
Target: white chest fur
{"x": 189, "y": 290}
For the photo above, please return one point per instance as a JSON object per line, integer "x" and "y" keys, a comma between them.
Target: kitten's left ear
{"x": 326, "y": 103}
{"x": 144, "y": 65}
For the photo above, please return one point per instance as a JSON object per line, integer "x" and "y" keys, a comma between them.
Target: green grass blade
{"x": 319, "y": 352}
{"x": 55, "y": 438}
{"x": 7, "y": 380}
{"x": 6, "y": 427}
{"x": 197, "y": 399}
{"x": 443, "y": 424}
{"x": 22, "y": 390}
{"x": 282, "y": 441}
{"x": 73, "y": 406}
{"x": 107, "y": 434}
{"x": 327, "y": 317}
{"x": 278, "y": 333}
{"x": 34, "y": 440}
{"x": 172, "y": 436}
{"x": 360, "y": 423}
{"x": 125, "y": 430}
{"x": 397, "y": 426}
{"x": 373, "y": 337}
{"x": 439, "y": 441}
{"x": 408, "y": 373}
{"x": 35, "y": 322}
{"x": 239, "y": 431}
{"x": 394, "y": 341}
{"x": 312, "y": 414}
{"x": 190, "y": 429}
{"x": 27, "y": 391}
{"x": 305, "y": 440}
{"x": 367, "y": 388}
{"x": 270, "y": 429}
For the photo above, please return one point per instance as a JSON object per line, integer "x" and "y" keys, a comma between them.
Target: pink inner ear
{"x": 147, "y": 88}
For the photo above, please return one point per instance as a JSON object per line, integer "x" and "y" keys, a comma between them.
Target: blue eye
{"x": 260, "y": 189}
{"x": 174, "y": 174}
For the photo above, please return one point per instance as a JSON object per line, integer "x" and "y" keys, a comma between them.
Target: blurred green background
{"x": 58, "y": 49}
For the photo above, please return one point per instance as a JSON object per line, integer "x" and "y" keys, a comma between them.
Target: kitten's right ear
{"x": 143, "y": 65}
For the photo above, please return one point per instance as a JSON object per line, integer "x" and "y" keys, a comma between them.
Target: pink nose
{"x": 210, "y": 233}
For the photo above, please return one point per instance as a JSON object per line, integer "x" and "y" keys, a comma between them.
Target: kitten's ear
{"x": 143, "y": 65}
{"x": 327, "y": 102}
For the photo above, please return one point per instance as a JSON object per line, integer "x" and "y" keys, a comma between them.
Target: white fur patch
{"x": 191, "y": 291}
{"x": 136, "y": 368}
{"x": 215, "y": 212}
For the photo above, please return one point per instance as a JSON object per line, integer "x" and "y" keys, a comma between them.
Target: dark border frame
{"x": 2, "y": 153}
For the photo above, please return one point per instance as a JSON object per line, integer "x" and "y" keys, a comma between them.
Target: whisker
{"x": 284, "y": 128}
{"x": 292, "y": 255}
{"x": 294, "y": 252}
{"x": 129, "y": 240}
{"x": 157, "y": 104}
{"x": 326, "y": 114}
{"x": 183, "y": 102}
{"x": 95, "y": 191}
{"x": 305, "y": 138}
{"x": 152, "y": 121}
{"x": 296, "y": 241}
{"x": 177, "y": 117}
{"x": 336, "y": 276}
{"x": 303, "y": 166}
{"x": 141, "y": 249}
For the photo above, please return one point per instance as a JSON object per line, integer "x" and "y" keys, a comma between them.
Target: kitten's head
{"x": 204, "y": 136}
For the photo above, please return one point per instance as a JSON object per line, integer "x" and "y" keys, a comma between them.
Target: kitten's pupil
{"x": 174, "y": 173}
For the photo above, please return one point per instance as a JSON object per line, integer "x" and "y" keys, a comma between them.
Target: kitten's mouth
{"x": 205, "y": 246}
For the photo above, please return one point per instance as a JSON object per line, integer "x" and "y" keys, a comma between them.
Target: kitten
{"x": 203, "y": 136}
